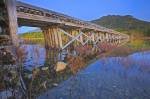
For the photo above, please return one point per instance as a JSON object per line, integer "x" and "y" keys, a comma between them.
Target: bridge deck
{"x": 30, "y": 15}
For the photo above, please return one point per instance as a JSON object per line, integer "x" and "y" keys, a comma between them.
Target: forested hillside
{"x": 32, "y": 35}
{"x": 126, "y": 24}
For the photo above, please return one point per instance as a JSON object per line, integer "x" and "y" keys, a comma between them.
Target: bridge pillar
{"x": 53, "y": 38}
{"x": 110, "y": 38}
{"x": 119, "y": 39}
{"x": 106, "y": 37}
{"x": 102, "y": 36}
{"x": 93, "y": 37}
{"x": 98, "y": 37}
{"x": 12, "y": 17}
{"x": 113, "y": 38}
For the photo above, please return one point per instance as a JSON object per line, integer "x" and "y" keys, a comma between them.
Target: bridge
{"x": 60, "y": 30}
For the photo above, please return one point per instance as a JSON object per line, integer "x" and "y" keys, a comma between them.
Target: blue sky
{"x": 94, "y": 9}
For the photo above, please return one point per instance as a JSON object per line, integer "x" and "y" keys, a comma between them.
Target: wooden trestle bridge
{"x": 59, "y": 30}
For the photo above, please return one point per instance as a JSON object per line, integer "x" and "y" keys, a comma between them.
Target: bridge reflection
{"x": 54, "y": 70}
{"x": 58, "y": 65}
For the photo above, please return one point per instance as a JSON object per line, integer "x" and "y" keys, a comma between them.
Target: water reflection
{"x": 139, "y": 44}
{"x": 35, "y": 56}
{"x": 108, "y": 78}
{"x": 45, "y": 69}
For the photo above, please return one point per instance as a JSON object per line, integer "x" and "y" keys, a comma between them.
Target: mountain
{"x": 126, "y": 24}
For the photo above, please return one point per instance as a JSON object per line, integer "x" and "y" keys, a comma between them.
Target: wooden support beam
{"x": 74, "y": 33}
{"x": 93, "y": 37}
{"x": 101, "y": 36}
{"x": 106, "y": 37}
{"x": 75, "y": 38}
{"x": 45, "y": 37}
{"x": 55, "y": 32}
{"x": 60, "y": 39}
{"x": 89, "y": 37}
{"x": 81, "y": 38}
{"x": 13, "y": 24}
{"x": 52, "y": 37}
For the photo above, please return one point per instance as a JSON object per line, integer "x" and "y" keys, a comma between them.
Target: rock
{"x": 60, "y": 66}
{"x": 55, "y": 84}
{"x": 29, "y": 76}
{"x": 44, "y": 68}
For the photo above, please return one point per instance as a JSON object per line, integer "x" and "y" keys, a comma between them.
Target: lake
{"x": 108, "y": 78}
{"x": 120, "y": 76}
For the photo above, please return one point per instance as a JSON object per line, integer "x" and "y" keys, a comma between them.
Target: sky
{"x": 94, "y": 9}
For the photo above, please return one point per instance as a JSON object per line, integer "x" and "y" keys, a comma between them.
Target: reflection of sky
{"x": 109, "y": 78}
{"x": 137, "y": 60}
{"x": 35, "y": 56}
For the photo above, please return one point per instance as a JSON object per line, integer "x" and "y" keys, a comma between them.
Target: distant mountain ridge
{"x": 127, "y": 24}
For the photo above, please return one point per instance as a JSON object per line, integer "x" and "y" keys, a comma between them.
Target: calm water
{"x": 36, "y": 56}
{"x": 107, "y": 78}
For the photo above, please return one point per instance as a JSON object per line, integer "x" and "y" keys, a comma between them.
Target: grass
{"x": 133, "y": 46}
{"x": 32, "y": 35}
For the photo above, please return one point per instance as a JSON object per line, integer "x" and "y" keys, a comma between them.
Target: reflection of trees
{"x": 137, "y": 43}
{"x": 46, "y": 77}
